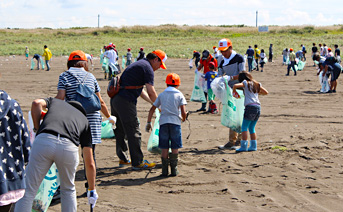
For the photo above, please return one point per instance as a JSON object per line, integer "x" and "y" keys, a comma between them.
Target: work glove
{"x": 148, "y": 127}
{"x": 92, "y": 197}
{"x": 112, "y": 119}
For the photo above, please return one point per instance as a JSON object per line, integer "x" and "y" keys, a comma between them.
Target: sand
{"x": 306, "y": 177}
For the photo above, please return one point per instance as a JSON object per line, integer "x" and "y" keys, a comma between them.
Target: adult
{"x": 314, "y": 50}
{"x": 292, "y": 57}
{"x": 63, "y": 129}
{"x": 124, "y": 107}
{"x": 216, "y": 52}
{"x": 231, "y": 65}
{"x": 285, "y": 55}
{"x": 196, "y": 55}
{"x": 325, "y": 50}
{"x": 204, "y": 63}
{"x": 299, "y": 55}
{"x": 303, "y": 49}
{"x": 270, "y": 59}
{"x": 47, "y": 55}
{"x": 329, "y": 66}
{"x": 112, "y": 59}
{"x": 37, "y": 57}
{"x": 141, "y": 54}
{"x": 256, "y": 55}
{"x": 67, "y": 84}
{"x": 250, "y": 55}
{"x": 321, "y": 50}
{"x": 14, "y": 151}
{"x": 337, "y": 53}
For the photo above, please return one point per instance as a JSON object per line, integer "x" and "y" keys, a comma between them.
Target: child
{"x": 252, "y": 108}
{"x": 210, "y": 76}
{"x": 27, "y": 52}
{"x": 128, "y": 57}
{"x": 170, "y": 101}
{"x": 262, "y": 56}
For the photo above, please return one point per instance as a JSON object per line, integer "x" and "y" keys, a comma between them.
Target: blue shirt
{"x": 137, "y": 74}
{"x": 250, "y": 52}
{"x": 210, "y": 76}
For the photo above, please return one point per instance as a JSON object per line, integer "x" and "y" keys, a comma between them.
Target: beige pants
{"x": 234, "y": 136}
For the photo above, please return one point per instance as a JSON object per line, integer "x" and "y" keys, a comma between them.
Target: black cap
{"x": 205, "y": 54}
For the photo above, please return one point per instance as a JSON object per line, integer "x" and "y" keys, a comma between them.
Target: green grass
{"x": 176, "y": 41}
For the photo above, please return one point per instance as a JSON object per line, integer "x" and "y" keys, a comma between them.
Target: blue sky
{"x": 84, "y": 13}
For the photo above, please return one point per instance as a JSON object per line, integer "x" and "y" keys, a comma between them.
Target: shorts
{"x": 252, "y": 112}
{"x": 26, "y": 55}
{"x": 210, "y": 94}
{"x": 170, "y": 136}
{"x": 336, "y": 71}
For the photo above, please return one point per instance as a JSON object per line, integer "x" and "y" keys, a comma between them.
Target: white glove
{"x": 92, "y": 197}
{"x": 148, "y": 127}
{"x": 112, "y": 119}
{"x": 228, "y": 78}
{"x": 196, "y": 71}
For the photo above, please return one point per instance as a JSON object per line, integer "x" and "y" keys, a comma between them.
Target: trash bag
{"x": 101, "y": 58}
{"x": 123, "y": 62}
{"x": 46, "y": 190}
{"x": 265, "y": 60}
{"x": 32, "y": 64}
{"x": 153, "y": 139}
{"x": 296, "y": 67}
{"x": 301, "y": 65}
{"x": 104, "y": 65}
{"x": 198, "y": 91}
{"x": 42, "y": 63}
{"x": 219, "y": 88}
{"x": 324, "y": 83}
{"x": 233, "y": 110}
{"x": 254, "y": 64}
{"x": 107, "y": 129}
{"x": 190, "y": 64}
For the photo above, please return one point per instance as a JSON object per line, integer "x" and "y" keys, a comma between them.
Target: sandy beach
{"x": 306, "y": 176}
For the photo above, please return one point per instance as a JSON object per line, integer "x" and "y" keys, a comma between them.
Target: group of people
{"x": 258, "y": 56}
{"x": 46, "y": 54}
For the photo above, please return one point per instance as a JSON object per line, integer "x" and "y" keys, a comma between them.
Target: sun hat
{"x": 162, "y": 56}
{"x": 173, "y": 79}
{"x": 205, "y": 55}
{"x": 77, "y": 55}
{"x": 224, "y": 44}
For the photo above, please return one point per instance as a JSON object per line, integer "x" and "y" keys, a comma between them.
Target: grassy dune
{"x": 176, "y": 41}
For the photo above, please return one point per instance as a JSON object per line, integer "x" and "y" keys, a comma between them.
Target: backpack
{"x": 86, "y": 96}
{"x": 114, "y": 87}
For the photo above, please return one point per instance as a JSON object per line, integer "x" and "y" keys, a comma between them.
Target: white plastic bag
{"x": 190, "y": 63}
{"x": 219, "y": 88}
{"x": 324, "y": 83}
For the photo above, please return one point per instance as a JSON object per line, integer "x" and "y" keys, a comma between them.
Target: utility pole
{"x": 98, "y": 21}
{"x": 256, "y": 17}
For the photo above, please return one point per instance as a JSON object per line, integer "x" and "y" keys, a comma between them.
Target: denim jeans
{"x": 250, "y": 64}
{"x": 46, "y": 150}
{"x": 47, "y": 65}
{"x": 172, "y": 133}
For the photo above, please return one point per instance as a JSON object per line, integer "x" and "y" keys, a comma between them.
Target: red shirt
{"x": 206, "y": 62}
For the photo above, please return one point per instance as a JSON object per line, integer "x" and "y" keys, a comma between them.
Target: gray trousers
{"x": 127, "y": 125}
{"x": 46, "y": 150}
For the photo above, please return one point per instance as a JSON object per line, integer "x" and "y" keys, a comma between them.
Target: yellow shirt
{"x": 292, "y": 56}
{"x": 47, "y": 54}
{"x": 258, "y": 52}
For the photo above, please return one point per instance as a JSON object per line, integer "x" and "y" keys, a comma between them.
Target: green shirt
{"x": 292, "y": 56}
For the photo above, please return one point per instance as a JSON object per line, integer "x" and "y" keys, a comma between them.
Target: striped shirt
{"x": 69, "y": 83}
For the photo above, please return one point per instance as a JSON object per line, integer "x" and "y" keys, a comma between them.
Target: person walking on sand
{"x": 128, "y": 57}
{"x": 337, "y": 53}
{"x": 196, "y": 55}
{"x": 270, "y": 59}
{"x": 303, "y": 49}
{"x": 62, "y": 130}
{"x": 172, "y": 104}
{"x": 47, "y": 55}
{"x": 314, "y": 50}
{"x": 262, "y": 56}
{"x": 292, "y": 62}
{"x": 285, "y": 55}
{"x": 250, "y": 55}
{"x": 231, "y": 65}
{"x": 256, "y": 56}
{"x": 141, "y": 54}
{"x": 252, "y": 110}
{"x": 124, "y": 107}
{"x": 27, "y": 52}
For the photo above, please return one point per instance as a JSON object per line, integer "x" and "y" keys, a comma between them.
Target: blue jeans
{"x": 172, "y": 133}
{"x": 292, "y": 65}
{"x": 47, "y": 65}
{"x": 250, "y": 63}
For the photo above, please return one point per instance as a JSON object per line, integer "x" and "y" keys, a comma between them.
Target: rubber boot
{"x": 244, "y": 146}
{"x": 253, "y": 145}
{"x": 173, "y": 159}
{"x": 165, "y": 166}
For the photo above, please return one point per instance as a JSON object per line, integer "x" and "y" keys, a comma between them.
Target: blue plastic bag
{"x": 107, "y": 129}
{"x": 123, "y": 62}
{"x": 233, "y": 110}
{"x": 42, "y": 62}
{"x": 32, "y": 64}
{"x": 46, "y": 190}
{"x": 198, "y": 91}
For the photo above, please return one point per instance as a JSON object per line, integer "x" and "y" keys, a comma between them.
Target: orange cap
{"x": 290, "y": 49}
{"x": 224, "y": 44}
{"x": 77, "y": 55}
{"x": 214, "y": 47}
{"x": 162, "y": 56}
{"x": 194, "y": 51}
{"x": 329, "y": 49}
{"x": 173, "y": 79}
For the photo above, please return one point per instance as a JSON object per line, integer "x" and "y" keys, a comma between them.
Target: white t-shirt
{"x": 170, "y": 101}
{"x": 112, "y": 57}
{"x": 250, "y": 97}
